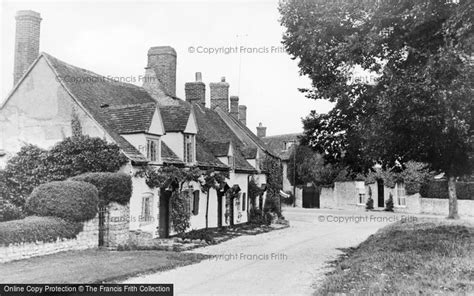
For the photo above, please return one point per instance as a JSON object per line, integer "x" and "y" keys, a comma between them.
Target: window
{"x": 244, "y": 201}
{"x": 196, "y": 202}
{"x": 146, "y": 215}
{"x": 188, "y": 148}
{"x": 153, "y": 149}
{"x": 361, "y": 198}
{"x": 401, "y": 200}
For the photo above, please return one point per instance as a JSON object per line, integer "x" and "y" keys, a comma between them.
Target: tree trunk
{"x": 453, "y": 200}
{"x": 207, "y": 209}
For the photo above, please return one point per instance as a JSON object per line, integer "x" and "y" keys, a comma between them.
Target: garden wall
{"x": 87, "y": 238}
{"x": 434, "y": 206}
{"x": 118, "y": 225}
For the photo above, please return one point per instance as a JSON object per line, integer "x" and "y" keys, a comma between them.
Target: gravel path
{"x": 290, "y": 261}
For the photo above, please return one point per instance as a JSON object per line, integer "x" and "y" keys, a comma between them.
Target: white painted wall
{"x": 39, "y": 113}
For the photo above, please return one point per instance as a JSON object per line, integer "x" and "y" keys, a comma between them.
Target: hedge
{"x": 439, "y": 189}
{"x": 34, "y": 228}
{"x": 112, "y": 187}
{"x": 71, "y": 200}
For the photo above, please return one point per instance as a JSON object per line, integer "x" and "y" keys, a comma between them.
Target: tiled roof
{"x": 277, "y": 144}
{"x": 206, "y": 159}
{"x": 213, "y": 129}
{"x": 219, "y": 149}
{"x": 96, "y": 93}
{"x": 168, "y": 156}
{"x": 130, "y": 118}
{"x": 251, "y": 139}
{"x": 175, "y": 117}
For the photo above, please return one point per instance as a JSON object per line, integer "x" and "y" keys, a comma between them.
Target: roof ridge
{"x": 52, "y": 59}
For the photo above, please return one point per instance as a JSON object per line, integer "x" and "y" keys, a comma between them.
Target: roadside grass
{"x": 92, "y": 266}
{"x": 430, "y": 257}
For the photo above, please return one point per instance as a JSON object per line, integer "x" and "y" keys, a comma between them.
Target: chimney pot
{"x": 198, "y": 77}
{"x": 223, "y": 79}
{"x": 261, "y": 131}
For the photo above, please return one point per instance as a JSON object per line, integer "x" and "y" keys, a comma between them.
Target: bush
{"x": 202, "y": 234}
{"x": 112, "y": 187}
{"x": 33, "y": 166}
{"x": 23, "y": 172}
{"x": 414, "y": 175}
{"x": 10, "y": 212}
{"x": 389, "y": 204}
{"x": 180, "y": 215}
{"x": 272, "y": 205}
{"x": 369, "y": 205}
{"x": 34, "y": 228}
{"x": 439, "y": 189}
{"x": 70, "y": 200}
{"x": 256, "y": 217}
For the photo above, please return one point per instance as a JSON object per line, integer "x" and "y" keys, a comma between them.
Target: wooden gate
{"x": 103, "y": 226}
{"x": 310, "y": 197}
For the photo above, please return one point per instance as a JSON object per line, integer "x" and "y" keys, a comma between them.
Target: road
{"x": 290, "y": 261}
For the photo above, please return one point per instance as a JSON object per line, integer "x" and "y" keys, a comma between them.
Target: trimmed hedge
{"x": 34, "y": 228}
{"x": 71, "y": 200}
{"x": 112, "y": 187}
{"x": 439, "y": 189}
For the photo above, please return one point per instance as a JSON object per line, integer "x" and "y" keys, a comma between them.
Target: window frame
{"x": 186, "y": 152}
{"x": 157, "y": 141}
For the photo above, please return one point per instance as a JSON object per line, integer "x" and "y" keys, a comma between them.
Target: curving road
{"x": 290, "y": 261}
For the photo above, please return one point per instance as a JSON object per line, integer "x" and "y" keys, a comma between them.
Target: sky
{"x": 240, "y": 40}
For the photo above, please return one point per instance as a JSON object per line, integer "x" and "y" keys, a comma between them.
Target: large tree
{"x": 421, "y": 106}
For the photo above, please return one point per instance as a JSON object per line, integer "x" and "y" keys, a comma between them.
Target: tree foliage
{"x": 273, "y": 169}
{"x": 310, "y": 167}
{"x": 421, "y": 106}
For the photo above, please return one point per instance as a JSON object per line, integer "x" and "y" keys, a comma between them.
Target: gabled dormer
{"x": 141, "y": 125}
{"x": 181, "y": 129}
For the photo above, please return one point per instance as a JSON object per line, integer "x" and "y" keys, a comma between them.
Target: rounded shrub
{"x": 112, "y": 187}
{"x": 71, "y": 200}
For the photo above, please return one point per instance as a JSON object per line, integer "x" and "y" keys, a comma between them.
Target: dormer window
{"x": 153, "y": 149}
{"x": 189, "y": 144}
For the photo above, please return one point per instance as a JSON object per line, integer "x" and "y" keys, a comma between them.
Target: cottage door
{"x": 380, "y": 193}
{"x": 164, "y": 212}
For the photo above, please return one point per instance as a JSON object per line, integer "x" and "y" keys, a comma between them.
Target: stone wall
{"x": 118, "y": 225}
{"x": 327, "y": 198}
{"x": 87, "y": 238}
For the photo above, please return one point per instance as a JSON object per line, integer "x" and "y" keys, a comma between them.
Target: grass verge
{"x": 92, "y": 266}
{"x": 430, "y": 257}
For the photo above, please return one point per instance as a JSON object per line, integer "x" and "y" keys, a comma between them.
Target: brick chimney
{"x": 27, "y": 39}
{"x": 234, "y": 106}
{"x": 243, "y": 114}
{"x": 162, "y": 59}
{"x": 196, "y": 91}
{"x": 220, "y": 95}
{"x": 261, "y": 131}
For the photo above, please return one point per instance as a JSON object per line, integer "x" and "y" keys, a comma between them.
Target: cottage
{"x": 149, "y": 123}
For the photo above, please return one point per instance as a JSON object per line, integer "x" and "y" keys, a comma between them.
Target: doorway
{"x": 380, "y": 193}
{"x": 164, "y": 212}
{"x": 310, "y": 197}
